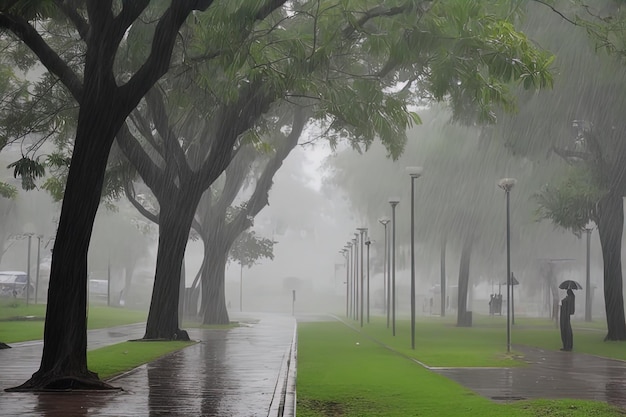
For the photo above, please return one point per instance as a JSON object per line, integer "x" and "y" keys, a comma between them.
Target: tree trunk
{"x": 610, "y": 226}
{"x": 443, "y": 277}
{"x": 175, "y": 219}
{"x": 64, "y": 359}
{"x": 214, "y": 309}
{"x": 463, "y": 317}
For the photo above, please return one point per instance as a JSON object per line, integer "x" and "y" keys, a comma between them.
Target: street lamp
{"x": 414, "y": 173}
{"x": 344, "y": 252}
{"x": 393, "y": 202}
{"x": 588, "y": 230}
{"x": 384, "y": 221}
{"x": 507, "y": 184}
{"x": 368, "y": 242}
{"x": 350, "y": 266}
{"x": 362, "y": 231}
{"x": 355, "y": 279}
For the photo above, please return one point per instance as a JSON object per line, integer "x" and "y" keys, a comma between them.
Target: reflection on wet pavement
{"x": 550, "y": 374}
{"x": 231, "y": 372}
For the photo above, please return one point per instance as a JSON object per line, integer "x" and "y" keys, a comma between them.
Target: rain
{"x": 245, "y": 175}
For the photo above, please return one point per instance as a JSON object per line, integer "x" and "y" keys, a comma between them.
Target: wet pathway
{"x": 245, "y": 371}
{"x": 550, "y": 374}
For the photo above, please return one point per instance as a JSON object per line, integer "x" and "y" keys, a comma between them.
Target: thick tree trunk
{"x": 610, "y": 226}
{"x": 175, "y": 219}
{"x": 64, "y": 359}
{"x": 463, "y": 318}
{"x": 214, "y": 309}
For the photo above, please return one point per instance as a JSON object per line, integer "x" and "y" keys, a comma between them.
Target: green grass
{"x": 437, "y": 340}
{"x": 113, "y": 360}
{"x": 343, "y": 373}
{"x": 15, "y": 328}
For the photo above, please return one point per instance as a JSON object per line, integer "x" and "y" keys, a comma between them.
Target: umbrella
{"x": 570, "y": 284}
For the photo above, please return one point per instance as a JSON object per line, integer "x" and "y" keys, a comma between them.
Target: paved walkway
{"x": 246, "y": 371}
{"x": 550, "y": 374}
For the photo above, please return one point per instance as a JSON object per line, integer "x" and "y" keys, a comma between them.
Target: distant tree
{"x": 248, "y": 249}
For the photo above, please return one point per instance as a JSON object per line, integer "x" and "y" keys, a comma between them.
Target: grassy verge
{"x": 343, "y": 373}
{"x": 113, "y": 360}
{"x": 19, "y": 322}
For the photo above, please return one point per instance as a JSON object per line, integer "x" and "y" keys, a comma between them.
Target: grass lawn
{"x": 19, "y": 322}
{"x": 344, "y": 373}
{"x": 437, "y": 340}
{"x": 113, "y": 360}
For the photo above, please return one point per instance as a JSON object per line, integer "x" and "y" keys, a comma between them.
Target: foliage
{"x": 249, "y": 248}
{"x": 7, "y": 190}
{"x": 572, "y": 202}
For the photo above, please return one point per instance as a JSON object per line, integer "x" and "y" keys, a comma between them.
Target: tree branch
{"x": 48, "y": 57}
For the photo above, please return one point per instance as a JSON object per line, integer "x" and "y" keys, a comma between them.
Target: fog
{"x": 320, "y": 197}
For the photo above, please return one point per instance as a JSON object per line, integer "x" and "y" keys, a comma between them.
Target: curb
{"x": 284, "y": 398}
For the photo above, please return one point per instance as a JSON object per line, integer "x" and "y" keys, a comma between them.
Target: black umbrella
{"x": 570, "y": 284}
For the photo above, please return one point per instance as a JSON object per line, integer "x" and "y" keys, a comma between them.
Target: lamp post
{"x": 507, "y": 184}
{"x": 350, "y": 266}
{"x": 362, "y": 231}
{"x": 414, "y": 173}
{"x": 393, "y": 202}
{"x": 384, "y": 221}
{"x": 588, "y": 230}
{"x": 368, "y": 242}
{"x": 344, "y": 253}
{"x": 355, "y": 277}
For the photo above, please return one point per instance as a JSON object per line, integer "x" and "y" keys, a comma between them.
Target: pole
{"x": 443, "y": 277}
{"x": 355, "y": 281}
{"x": 508, "y": 274}
{"x": 38, "y": 262}
{"x": 362, "y": 231}
{"x": 28, "y": 271}
{"x": 412, "y": 262}
{"x": 345, "y": 259}
{"x": 588, "y": 280}
{"x": 368, "y": 242}
{"x": 512, "y": 299}
{"x": 109, "y": 283}
{"x": 348, "y": 279}
{"x": 393, "y": 266}
{"x": 241, "y": 287}
{"x": 361, "y": 293}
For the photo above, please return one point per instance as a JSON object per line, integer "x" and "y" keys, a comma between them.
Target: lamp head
{"x": 507, "y": 183}
{"x": 414, "y": 172}
{"x": 384, "y": 221}
{"x": 394, "y": 201}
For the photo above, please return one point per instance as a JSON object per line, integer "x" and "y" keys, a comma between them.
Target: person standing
{"x": 567, "y": 309}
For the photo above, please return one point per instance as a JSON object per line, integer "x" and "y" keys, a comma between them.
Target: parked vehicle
{"x": 13, "y": 284}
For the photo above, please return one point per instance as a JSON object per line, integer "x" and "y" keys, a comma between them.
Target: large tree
{"x": 105, "y": 99}
{"x": 582, "y": 124}
{"x": 340, "y": 68}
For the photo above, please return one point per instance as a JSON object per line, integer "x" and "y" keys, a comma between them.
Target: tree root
{"x": 63, "y": 383}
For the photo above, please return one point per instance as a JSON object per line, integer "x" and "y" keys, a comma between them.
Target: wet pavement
{"x": 549, "y": 375}
{"x": 245, "y": 371}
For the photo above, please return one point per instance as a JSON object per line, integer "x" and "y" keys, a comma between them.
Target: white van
{"x": 13, "y": 284}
